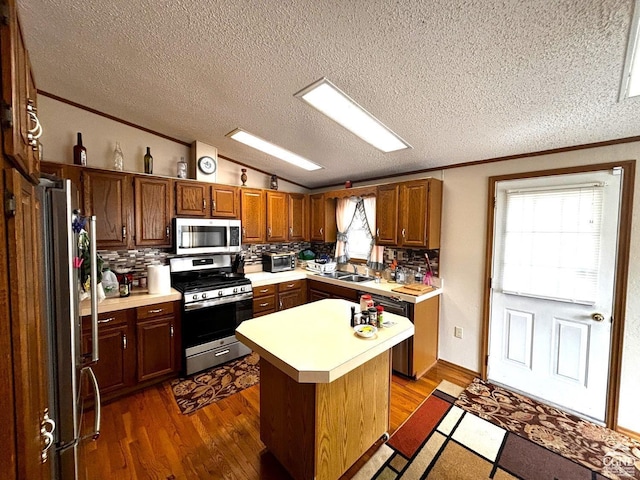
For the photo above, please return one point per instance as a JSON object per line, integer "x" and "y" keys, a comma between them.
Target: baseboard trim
{"x": 628, "y": 433}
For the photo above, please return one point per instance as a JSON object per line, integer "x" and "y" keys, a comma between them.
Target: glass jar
{"x": 182, "y": 168}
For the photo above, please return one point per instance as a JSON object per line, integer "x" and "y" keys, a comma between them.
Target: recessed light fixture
{"x": 337, "y": 105}
{"x": 631, "y": 75}
{"x": 272, "y": 149}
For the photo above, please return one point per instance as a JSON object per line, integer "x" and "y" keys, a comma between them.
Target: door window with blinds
{"x": 551, "y": 242}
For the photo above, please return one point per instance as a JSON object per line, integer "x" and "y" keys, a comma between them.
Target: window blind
{"x": 551, "y": 242}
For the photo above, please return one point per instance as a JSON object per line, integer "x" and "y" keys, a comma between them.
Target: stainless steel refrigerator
{"x": 71, "y": 380}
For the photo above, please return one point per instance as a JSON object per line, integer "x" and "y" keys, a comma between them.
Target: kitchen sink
{"x": 338, "y": 275}
{"x": 356, "y": 278}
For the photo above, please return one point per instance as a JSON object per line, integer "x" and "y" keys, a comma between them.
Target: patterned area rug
{"x": 213, "y": 385}
{"x": 442, "y": 441}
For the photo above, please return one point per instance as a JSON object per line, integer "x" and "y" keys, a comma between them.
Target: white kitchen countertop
{"x": 139, "y": 297}
{"x": 260, "y": 279}
{"x": 314, "y": 343}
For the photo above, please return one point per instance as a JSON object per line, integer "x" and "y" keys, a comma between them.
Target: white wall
{"x": 462, "y": 262}
{"x": 61, "y": 122}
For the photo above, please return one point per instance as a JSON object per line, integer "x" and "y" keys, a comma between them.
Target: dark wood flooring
{"x": 144, "y": 436}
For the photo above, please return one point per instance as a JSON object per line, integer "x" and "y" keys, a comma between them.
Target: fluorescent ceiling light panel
{"x": 631, "y": 74}
{"x": 337, "y": 105}
{"x": 272, "y": 149}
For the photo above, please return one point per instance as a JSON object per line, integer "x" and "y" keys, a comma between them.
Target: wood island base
{"x": 318, "y": 430}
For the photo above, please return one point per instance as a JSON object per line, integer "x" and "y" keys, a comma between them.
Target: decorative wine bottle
{"x": 118, "y": 158}
{"x": 79, "y": 152}
{"x": 148, "y": 161}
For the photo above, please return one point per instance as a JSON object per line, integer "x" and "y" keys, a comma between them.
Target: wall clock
{"x": 207, "y": 165}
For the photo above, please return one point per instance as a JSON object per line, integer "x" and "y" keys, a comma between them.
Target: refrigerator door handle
{"x": 97, "y": 405}
{"x": 94, "y": 289}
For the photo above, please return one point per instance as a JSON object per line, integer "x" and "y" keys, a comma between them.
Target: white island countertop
{"x": 314, "y": 343}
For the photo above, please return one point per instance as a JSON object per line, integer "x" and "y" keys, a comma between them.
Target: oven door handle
{"x": 188, "y": 307}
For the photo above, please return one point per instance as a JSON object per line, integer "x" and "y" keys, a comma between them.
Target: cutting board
{"x": 413, "y": 289}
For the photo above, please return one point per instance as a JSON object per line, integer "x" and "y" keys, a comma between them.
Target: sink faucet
{"x": 355, "y": 268}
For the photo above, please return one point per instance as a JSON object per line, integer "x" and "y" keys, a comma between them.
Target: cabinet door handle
{"x": 280, "y": 304}
{"x": 290, "y": 285}
{"x": 269, "y": 232}
{"x": 107, "y": 320}
{"x": 171, "y": 331}
{"x": 204, "y": 205}
{"x": 167, "y": 230}
{"x": 291, "y": 231}
{"x": 124, "y": 232}
{"x": 403, "y": 231}
{"x": 213, "y": 205}
{"x": 264, "y": 290}
{"x": 321, "y": 231}
{"x": 264, "y": 304}
{"x": 124, "y": 341}
{"x": 244, "y": 232}
{"x": 378, "y": 232}
{"x": 157, "y": 310}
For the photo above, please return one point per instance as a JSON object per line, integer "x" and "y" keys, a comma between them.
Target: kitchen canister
{"x": 158, "y": 279}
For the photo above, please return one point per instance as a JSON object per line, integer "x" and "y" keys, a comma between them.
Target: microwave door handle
{"x": 94, "y": 288}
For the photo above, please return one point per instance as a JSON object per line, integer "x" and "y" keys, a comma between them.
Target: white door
{"x": 552, "y": 290}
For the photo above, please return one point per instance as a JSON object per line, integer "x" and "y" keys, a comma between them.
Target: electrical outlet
{"x": 457, "y": 332}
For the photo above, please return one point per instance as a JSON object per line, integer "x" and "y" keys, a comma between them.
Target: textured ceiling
{"x": 459, "y": 80}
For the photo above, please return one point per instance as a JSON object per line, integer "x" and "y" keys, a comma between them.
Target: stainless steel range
{"x": 215, "y": 301}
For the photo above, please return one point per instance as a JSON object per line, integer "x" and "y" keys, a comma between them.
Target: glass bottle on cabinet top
{"x": 148, "y": 161}
{"x": 182, "y": 168}
{"x": 80, "y": 152}
{"x": 118, "y": 158}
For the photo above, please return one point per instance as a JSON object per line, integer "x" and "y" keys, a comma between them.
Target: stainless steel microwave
{"x": 202, "y": 235}
{"x": 278, "y": 262}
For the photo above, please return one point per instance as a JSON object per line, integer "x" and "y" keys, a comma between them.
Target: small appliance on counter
{"x": 278, "y": 262}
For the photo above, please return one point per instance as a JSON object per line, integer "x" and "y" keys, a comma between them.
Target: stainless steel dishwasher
{"x": 402, "y": 353}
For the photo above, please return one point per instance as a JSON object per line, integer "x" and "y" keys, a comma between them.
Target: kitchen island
{"x": 324, "y": 391}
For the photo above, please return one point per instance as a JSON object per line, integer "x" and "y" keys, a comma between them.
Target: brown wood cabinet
{"x": 115, "y": 369}
{"x": 387, "y": 208}
{"x": 107, "y": 195}
{"x": 199, "y": 199}
{"x": 252, "y": 211}
{"x": 277, "y": 216}
{"x": 322, "y": 212}
{"x": 320, "y": 290}
{"x": 18, "y": 95}
{"x": 153, "y": 211}
{"x": 278, "y": 296}
{"x": 156, "y": 341}
{"x": 408, "y": 214}
{"x": 224, "y": 201}
{"x": 23, "y": 366}
{"x": 264, "y": 300}
{"x": 420, "y": 213}
{"x": 298, "y": 217}
{"x": 72, "y": 172}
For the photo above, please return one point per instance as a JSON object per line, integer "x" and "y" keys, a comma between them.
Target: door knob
{"x": 598, "y": 317}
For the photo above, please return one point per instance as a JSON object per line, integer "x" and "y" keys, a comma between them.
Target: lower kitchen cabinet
{"x": 156, "y": 341}
{"x": 137, "y": 347}
{"x": 320, "y": 290}
{"x": 272, "y": 298}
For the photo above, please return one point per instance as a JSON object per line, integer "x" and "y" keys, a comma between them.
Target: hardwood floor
{"x": 145, "y": 436}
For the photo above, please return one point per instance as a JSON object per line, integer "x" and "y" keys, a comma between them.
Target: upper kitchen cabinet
{"x": 277, "y": 216}
{"x": 323, "y": 218}
{"x": 192, "y": 198}
{"x": 387, "y": 208}
{"x": 298, "y": 217}
{"x": 20, "y": 125}
{"x": 153, "y": 211}
{"x": 420, "y": 213}
{"x": 252, "y": 211}
{"x": 64, "y": 170}
{"x": 224, "y": 201}
{"x": 199, "y": 199}
{"x": 107, "y": 195}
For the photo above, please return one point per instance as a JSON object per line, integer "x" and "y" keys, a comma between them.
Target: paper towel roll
{"x": 158, "y": 279}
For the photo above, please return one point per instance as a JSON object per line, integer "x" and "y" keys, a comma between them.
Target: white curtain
{"x": 345, "y": 209}
{"x": 376, "y": 257}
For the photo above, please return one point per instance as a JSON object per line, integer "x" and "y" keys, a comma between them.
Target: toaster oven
{"x": 278, "y": 262}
